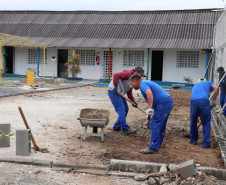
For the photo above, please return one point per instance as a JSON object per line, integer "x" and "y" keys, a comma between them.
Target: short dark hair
{"x": 134, "y": 77}
{"x": 220, "y": 69}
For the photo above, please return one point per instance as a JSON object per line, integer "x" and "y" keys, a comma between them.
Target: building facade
{"x": 167, "y": 44}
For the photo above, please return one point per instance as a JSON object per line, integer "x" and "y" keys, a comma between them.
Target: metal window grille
{"x": 106, "y": 63}
{"x": 133, "y": 58}
{"x": 33, "y": 56}
{"x": 187, "y": 59}
{"x": 88, "y": 57}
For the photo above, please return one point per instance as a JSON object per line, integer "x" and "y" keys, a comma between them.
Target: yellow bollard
{"x": 30, "y": 77}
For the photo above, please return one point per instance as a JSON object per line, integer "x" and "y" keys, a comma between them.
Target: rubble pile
{"x": 170, "y": 175}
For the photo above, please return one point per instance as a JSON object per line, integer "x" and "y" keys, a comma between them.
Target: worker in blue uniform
{"x": 200, "y": 104}
{"x": 159, "y": 102}
{"x": 222, "y": 83}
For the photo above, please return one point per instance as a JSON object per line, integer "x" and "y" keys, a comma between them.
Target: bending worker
{"x": 200, "y": 104}
{"x": 222, "y": 84}
{"x": 120, "y": 83}
{"x": 158, "y": 101}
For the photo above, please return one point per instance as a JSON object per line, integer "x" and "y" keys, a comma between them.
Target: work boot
{"x": 193, "y": 143}
{"x": 117, "y": 129}
{"x": 210, "y": 146}
{"x": 129, "y": 131}
{"x": 148, "y": 150}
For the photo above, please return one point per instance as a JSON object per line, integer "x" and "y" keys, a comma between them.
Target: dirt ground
{"x": 52, "y": 117}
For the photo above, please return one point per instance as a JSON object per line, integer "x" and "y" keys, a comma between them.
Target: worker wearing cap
{"x": 200, "y": 104}
{"x": 120, "y": 84}
{"x": 222, "y": 84}
{"x": 159, "y": 102}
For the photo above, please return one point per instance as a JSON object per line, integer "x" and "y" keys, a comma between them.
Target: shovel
{"x": 149, "y": 117}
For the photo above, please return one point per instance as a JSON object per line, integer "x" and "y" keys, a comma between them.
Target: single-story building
{"x": 219, "y": 47}
{"x": 167, "y": 44}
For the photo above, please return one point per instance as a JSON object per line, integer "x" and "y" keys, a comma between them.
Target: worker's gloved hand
{"x": 115, "y": 89}
{"x": 148, "y": 119}
{"x": 149, "y": 112}
{"x": 135, "y": 104}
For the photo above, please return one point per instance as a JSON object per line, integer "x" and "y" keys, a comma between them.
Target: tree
{"x": 73, "y": 66}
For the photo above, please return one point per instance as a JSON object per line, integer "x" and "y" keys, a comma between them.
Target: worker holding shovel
{"x": 120, "y": 84}
{"x": 200, "y": 104}
{"x": 159, "y": 102}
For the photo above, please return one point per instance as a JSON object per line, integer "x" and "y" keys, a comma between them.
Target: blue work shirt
{"x": 223, "y": 84}
{"x": 201, "y": 90}
{"x": 159, "y": 94}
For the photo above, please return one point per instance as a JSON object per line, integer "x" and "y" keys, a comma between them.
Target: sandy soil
{"x": 52, "y": 116}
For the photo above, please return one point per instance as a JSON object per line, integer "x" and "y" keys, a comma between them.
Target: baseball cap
{"x": 220, "y": 69}
{"x": 140, "y": 70}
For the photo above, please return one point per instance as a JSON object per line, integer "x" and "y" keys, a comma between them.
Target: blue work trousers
{"x": 121, "y": 107}
{"x": 158, "y": 123}
{"x": 222, "y": 102}
{"x": 200, "y": 106}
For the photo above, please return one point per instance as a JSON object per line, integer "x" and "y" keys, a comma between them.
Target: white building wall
{"x": 173, "y": 74}
{"x": 170, "y": 72}
{"x": 220, "y": 44}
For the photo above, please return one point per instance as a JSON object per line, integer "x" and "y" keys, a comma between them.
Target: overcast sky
{"x": 114, "y": 5}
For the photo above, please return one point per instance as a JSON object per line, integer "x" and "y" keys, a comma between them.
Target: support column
{"x": 44, "y": 58}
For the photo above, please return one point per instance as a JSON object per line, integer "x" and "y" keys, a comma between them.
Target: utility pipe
{"x": 38, "y": 61}
{"x": 207, "y": 61}
{"x": 148, "y": 65}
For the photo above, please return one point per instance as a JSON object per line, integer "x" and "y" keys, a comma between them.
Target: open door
{"x": 157, "y": 65}
{"x": 62, "y": 59}
{"x": 8, "y": 58}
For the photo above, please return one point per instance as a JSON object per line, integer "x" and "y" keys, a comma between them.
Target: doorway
{"x": 8, "y": 59}
{"x": 157, "y": 65}
{"x": 62, "y": 59}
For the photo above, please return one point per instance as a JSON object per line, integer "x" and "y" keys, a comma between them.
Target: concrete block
{"x": 38, "y": 79}
{"x": 4, "y": 140}
{"x": 23, "y": 79}
{"x": 187, "y": 168}
{"x": 23, "y": 142}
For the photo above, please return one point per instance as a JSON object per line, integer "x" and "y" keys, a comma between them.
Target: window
{"x": 33, "y": 56}
{"x": 133, "y": 58}
{"x": 187, "y": 59}
{"x": 88, "y": 57}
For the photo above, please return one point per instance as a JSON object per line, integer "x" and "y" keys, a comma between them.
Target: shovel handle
{"x": 131, "y": 102}
{"x": 36, "y": 148}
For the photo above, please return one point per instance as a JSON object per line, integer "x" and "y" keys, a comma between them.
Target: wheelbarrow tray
{"x": 101, "y": 121}
{"x": 98, "y": 122}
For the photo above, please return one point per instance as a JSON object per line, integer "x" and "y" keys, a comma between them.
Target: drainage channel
{"x": 219, "y": 129}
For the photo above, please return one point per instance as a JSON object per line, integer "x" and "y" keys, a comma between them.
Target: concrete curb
{"x": 122, "y": 168}
{"x": 145, "y": 167}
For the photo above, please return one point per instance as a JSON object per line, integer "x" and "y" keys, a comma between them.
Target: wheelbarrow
{"x": 95, "y": 118}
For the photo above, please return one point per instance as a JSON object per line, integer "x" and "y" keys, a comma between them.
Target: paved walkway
{"x": 14, "y": 87}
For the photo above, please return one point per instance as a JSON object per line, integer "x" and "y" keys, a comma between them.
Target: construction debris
{"x": 170, "y": 174}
